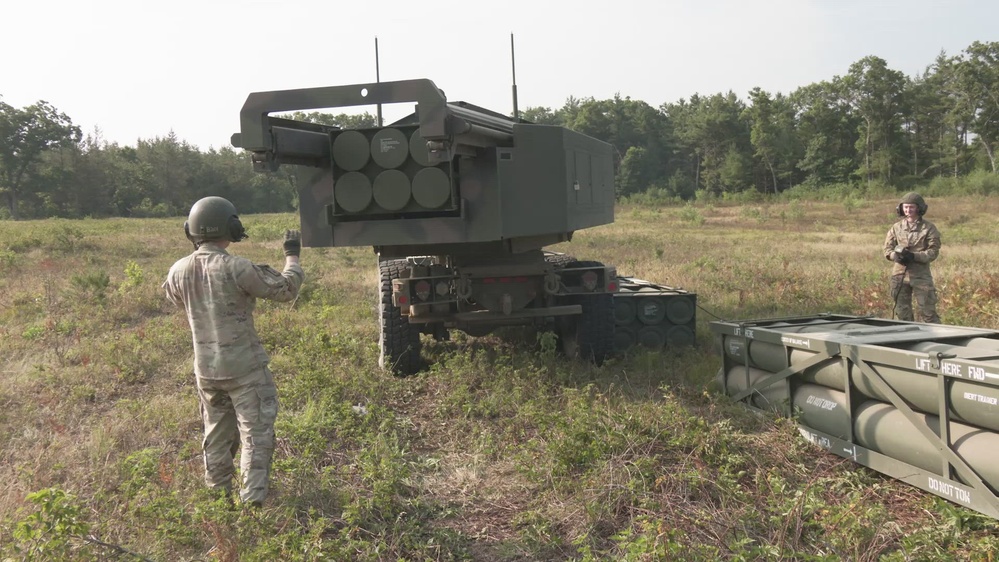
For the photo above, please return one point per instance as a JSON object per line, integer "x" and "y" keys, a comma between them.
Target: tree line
{"x": 873, "y": 127}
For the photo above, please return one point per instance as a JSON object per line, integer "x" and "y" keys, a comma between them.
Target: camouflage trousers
{"x": 238, "y": 413}
{"x": 905, "y": 289}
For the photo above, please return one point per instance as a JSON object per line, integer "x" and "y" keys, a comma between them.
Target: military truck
{"x": 458, "y": 202}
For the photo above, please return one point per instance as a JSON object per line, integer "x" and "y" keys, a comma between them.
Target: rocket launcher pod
{"x": 918, "y": 402}
{"x": 653, "y": 316}
{"x": 451, "y": 177}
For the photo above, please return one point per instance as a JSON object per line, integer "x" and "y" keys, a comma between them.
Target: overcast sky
{"x": 138, "y": 70}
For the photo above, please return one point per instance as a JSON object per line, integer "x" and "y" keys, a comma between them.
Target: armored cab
{"x": 458, "y": 202}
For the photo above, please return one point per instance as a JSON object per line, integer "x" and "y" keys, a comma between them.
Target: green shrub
{"x": 689, "y": 213}
{"x": 7, "y": 257}
{"x": 828, "y": 192}
{"x": 652, "y": 197}
{"x": 981, "y": 182}
{"x": 148, "y": 209}
{"x": 743, "y": 197}
{"x": 133, "y": 275}
{"x": 66, "y": 238}
{"x": 49, "y": 533}
{"x": 92, "y": 285}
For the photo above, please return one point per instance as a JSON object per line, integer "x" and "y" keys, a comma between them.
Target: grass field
{"x": 502, "y": 450}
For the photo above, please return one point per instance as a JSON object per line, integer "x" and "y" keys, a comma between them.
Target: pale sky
{"x": 143, "y": 69}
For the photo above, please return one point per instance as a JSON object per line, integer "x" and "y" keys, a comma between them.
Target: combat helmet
{"x": 912, "y": 198}
{"x": 213, "y": 218}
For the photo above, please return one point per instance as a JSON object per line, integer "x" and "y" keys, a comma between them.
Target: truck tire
{"x": 398, "y": 341}
{"x": 589, "y": 336}
{"x": 559, "y": 260}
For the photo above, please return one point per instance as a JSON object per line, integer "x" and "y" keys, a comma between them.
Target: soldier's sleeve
{"x": 171, "y": 293}
{"x": 932, "y": 245}
{"x": 890, "y": 243}
{"x": 265, "y": 282}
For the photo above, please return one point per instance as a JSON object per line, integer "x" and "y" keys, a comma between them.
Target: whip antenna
{"x": 378, "y": 78}
{"x": 513, "y": 65}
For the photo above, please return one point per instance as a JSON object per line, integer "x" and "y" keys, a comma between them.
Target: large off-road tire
{"x": 399, "y": 341}
{"x": 559, "y": 260}
{"x": 589, "y": 336}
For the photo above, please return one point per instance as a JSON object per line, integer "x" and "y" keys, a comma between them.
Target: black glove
{"x": 906, "y": 257}
{"x": 292, "y": 243}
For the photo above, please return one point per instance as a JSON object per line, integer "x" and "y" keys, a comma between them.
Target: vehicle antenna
{"x": 513, "y": 64}
{"x": 378, "y": 78}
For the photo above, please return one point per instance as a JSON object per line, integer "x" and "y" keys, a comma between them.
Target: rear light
{"x": 423, "y": 290}
{"x": 442, "y": 288}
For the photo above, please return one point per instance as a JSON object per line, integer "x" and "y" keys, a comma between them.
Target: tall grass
{"x": 501, "y": 450}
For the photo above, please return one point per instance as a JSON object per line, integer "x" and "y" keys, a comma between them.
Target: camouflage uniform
{"x": 237, "y": 393}
{"x": 914, "y": 280}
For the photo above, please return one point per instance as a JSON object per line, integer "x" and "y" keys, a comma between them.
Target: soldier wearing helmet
{"x": 218, "y": 291}
{"x": 912, "y": 243}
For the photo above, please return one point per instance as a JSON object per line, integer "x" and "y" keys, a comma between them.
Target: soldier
{"x": 912, "y": 243}
{"x": 235, "y": 387}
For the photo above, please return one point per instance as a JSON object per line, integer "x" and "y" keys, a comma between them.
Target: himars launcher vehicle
{"x": 458, "y": 202}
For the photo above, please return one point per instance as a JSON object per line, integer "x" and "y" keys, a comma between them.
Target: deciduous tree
{"x": 979, "y": 80}
{"x": 25, "y": 135}
{"x": 876, "y": 94}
